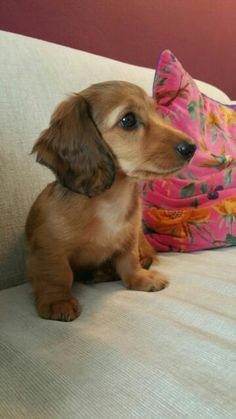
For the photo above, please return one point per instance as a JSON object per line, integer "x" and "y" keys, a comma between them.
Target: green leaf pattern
{"x": 187, "y": 191}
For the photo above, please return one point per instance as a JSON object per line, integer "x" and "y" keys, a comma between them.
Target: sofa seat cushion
{"x": 169, "y": 354}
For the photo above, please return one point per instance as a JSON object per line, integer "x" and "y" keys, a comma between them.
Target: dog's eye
{"x": 129, "y": 121}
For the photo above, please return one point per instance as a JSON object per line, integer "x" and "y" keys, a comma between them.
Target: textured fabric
{"x": 165, "y": 355}
{"x": 130, "y": 354}
{"x": 34, "y": 77}
{"x": 197, "y": 208}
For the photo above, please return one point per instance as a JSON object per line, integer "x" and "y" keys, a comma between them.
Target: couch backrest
{"x": 34, "y": 77}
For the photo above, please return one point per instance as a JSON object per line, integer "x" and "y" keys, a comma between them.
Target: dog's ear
{"x": 73, "y": 148}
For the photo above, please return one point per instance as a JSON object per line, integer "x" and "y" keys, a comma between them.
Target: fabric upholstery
{"x": 167, "y": 355}
{"x": 34, "y": 77}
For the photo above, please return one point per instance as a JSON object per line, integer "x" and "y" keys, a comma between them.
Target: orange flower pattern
{"x": 178, "y": 223}
{"x": 227, "y": 207}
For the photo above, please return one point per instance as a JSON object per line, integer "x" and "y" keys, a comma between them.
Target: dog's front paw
{"x": 147, "y": 281}
{"x": 64, "y": 310}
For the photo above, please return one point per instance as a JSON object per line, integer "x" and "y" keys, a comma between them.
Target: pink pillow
{"x": 197, "y": 208}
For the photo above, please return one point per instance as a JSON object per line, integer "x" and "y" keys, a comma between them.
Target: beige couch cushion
{"x": 130, "y": 355}
{"x": 34, "y": 77}
{"x": 167, "y": 355}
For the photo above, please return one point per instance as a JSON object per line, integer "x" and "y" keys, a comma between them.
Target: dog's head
{"x": 108, "y": 127}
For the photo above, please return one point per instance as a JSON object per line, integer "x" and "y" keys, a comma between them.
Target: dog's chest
{"x": 114, "y": 219}
{"x": 112, "y": 226}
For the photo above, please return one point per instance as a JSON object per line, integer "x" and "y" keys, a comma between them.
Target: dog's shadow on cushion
{"x": 12, "y": 264}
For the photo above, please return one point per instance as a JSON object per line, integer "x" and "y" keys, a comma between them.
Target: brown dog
{"x": 99, "y": 143}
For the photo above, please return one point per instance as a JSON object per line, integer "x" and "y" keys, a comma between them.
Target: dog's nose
{"x": 186, "y": 150}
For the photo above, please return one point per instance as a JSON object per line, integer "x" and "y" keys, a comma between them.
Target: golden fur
{"x": 90, "y": 217}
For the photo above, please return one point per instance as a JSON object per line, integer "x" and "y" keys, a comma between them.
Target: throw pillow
{"x": 195, "y": 209}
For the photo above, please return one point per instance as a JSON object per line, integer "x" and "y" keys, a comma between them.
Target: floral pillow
{"x": 195, "y": 209}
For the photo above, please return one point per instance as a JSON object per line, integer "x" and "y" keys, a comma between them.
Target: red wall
{"x": 202, "y": 33}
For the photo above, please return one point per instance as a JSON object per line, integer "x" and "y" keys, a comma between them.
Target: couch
{"x": 130, "y": 354}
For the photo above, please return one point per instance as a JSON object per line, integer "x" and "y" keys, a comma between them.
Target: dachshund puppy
{"x": 99, "y": 144}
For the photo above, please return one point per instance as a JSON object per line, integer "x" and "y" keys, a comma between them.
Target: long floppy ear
{"x": 73, "y": 148}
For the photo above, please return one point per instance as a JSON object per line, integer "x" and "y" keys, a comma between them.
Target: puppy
{"x": 99, "y": 144}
